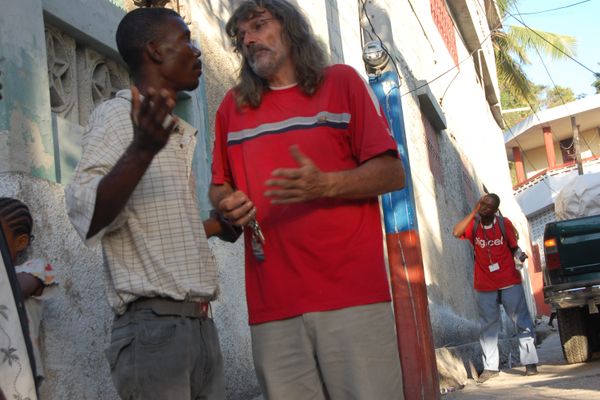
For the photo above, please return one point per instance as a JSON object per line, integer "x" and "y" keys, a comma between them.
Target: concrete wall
{"x": 469, "y": 151}
{"x": 449, "y": 166}
{"x": 25, "y": 124}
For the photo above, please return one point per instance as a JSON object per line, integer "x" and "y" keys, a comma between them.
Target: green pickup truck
{"x": 572, "y": 283}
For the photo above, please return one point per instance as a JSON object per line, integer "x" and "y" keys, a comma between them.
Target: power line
{"x": 550, "y": 43}
{"x": 553, "y": 83}
{"x": 364, "y": 7}
{"x": 562, "y": 100}
{"x": 450, "y": 69}
{"x": 363, "y": 3}
{"x": 524, "y": 154}
{"x": 546, "y": 68}
{"x": 554, "y": 9}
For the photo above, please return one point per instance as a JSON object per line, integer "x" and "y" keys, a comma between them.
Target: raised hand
{"x": 293, "y": 185}
{"x": 152, "y": 121}
{"x": 478, "y": 205}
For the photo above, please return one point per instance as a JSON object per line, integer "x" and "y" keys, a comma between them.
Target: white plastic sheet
{"x": 580, "y": 197}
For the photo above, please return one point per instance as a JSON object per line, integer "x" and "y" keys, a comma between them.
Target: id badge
{"x": 494, "y": 267}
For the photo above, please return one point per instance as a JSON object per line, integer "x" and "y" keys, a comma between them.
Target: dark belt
{"x": 164, "y": 306}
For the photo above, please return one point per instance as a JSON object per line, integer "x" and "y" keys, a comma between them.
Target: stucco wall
{"x": 470, "y": 152}
{"x": 76, "y": 318}
{"x": 25, "y": 128}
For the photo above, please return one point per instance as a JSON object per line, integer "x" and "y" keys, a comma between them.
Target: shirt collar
{"x": 183, "y": 128}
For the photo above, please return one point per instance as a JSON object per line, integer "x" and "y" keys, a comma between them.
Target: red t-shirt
{"x": 321, "y": 255}
{"x": 491, "y": 247}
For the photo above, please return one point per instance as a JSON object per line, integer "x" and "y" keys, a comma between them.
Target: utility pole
{"x": 407, "y": 274}
{"x": 576, "y": 145}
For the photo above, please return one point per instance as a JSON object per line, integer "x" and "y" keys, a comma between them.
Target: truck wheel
{"x": 573, "y": 334}
{"x": 593, "y": 326}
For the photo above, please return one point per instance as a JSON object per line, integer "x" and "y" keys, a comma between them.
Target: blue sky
{"x": 581, "y": 21}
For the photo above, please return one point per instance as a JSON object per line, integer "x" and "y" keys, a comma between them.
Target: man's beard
{"x": 268, "y": 66}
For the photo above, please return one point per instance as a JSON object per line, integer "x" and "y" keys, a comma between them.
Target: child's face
{"x": 16, "y": 243}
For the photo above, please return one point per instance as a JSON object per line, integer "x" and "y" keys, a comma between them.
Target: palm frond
{"x": 555, "y": 45}
{"x": 513, "y": 78}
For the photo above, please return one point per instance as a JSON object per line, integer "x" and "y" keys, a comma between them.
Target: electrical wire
{"x": 562, "y": 100}
{"x": 550, "y": 43}
{"x": 555, "y": 9}
{"x": 450, "y": 69}
{"x": 525, "y": 157}
{"x": 392, "y": 58}
{"x": 448, "y": 87}
{"x": 553, "y": 83}
{"x": 420, "y": 24}
{"x": 443, "y": 73}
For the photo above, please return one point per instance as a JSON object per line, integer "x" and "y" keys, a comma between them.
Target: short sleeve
{"x": 106, "y": 138}
{"x": 468, "y": 233}
{"x": 371, "y": 135}
{"x": 221, "y": 171}
{"x": 511, "y": 235}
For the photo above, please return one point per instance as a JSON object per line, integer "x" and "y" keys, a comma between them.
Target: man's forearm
{"x": 379, "y": 175}
{"x": 461, "y": 226}
{"x": 115, "y": 189}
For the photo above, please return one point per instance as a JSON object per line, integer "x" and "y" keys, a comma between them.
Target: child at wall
{"x": 34, "y": 276}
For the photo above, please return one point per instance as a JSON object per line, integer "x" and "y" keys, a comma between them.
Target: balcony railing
{"x": 559, "y": 169}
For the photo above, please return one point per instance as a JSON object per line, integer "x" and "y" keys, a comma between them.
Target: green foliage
{"x": 557, "y": 96}
{"x": 511, "y": 46}
{"x": 543, "y": 98}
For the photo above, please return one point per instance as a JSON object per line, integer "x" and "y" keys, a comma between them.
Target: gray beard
{"x": 265, "y": 70}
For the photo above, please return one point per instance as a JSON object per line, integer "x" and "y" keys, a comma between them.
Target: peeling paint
{"x": 28, "y": 152}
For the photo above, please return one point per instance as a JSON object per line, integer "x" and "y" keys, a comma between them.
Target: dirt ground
{"x": 556, "y": 379}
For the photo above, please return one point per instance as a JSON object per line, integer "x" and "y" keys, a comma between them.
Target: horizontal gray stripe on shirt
{"x": 323, "y": 118}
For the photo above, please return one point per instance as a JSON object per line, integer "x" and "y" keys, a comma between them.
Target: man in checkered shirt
{"x": 133, "y": 190}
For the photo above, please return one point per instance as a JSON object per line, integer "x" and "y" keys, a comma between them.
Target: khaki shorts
{"x": 344, "y": 354}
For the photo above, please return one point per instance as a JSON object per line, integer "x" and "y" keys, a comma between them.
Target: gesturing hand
{"x": 150, "y": 133}
{"x": 294, "y": 185}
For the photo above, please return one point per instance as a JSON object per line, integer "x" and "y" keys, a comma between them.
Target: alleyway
{"x": 556, "y": 380}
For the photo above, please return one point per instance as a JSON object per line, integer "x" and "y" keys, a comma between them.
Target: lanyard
{"x": 485, "y": 239}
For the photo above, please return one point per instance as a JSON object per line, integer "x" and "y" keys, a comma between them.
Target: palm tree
{"x": 511, "y": 45}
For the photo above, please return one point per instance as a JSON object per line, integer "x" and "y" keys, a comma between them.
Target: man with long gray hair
{"x": 301, "y": 153}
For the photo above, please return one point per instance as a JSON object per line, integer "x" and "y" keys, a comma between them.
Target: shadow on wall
{"x": 452, "y": 308}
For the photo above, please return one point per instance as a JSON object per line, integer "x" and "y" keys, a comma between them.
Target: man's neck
{"x": 487, "y": 220}
{"x": 286, "y": 76}
{"x": 143, "y": 85}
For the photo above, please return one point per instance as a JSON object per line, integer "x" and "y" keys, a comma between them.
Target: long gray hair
{"x": 307, "y": 54}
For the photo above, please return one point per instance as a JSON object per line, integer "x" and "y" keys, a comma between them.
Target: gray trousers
{"x": 155, "y": 357}
{"x": 344, "y": 354}
{"x": 513, "y": 300}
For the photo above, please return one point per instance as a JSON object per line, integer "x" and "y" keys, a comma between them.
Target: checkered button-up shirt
{"x": 156, "y": 246}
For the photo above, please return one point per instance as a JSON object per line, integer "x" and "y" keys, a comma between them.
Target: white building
{"x": 543, "y": 151}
